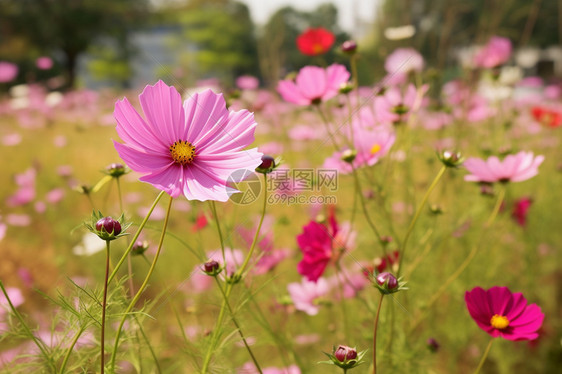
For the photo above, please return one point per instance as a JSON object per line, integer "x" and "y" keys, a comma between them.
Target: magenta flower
{"x": 190, "y": 149}
{"x": 314, "y": 84}
{"x": 521, "y": 209}
{"x": 8, "y": 71}
{"x": 502, "y": 313}
{"x": 495, "y": 53}
{"x": 514, "y": 168}
{"x": 305, "y": 295}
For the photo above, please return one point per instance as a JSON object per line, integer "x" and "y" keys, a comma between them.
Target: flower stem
{"x": 70, "y": 349}
{"x": 143, "y": 285}
{"x": 135, "y": 237}
{"x": 375, "y": 335}
{"x": 364, "y": 207}
{"x": 39, "y": 343}
{"x": 129, "y": 261}
{"x": 103, "y": 307}
{"x": 417, "y": 215}
{"x": 229, "y": 286}
{"x": 238, "y": 327}
{"x": 484, "y": 356}
{"x": 327, "y": 124}
{"x": 217, "y": 222}
{"x": 495, "y": 211}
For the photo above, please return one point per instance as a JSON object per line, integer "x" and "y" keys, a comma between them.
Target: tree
{"x": 70, "y": 26}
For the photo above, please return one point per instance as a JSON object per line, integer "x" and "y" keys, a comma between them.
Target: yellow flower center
{"x": 499, "y": 322}
{"x": 375, "y": 148}
{"x": 317, "y": 48}
{"x": 182, "y": 152}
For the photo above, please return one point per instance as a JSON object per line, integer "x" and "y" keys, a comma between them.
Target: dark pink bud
{"x": 110, "y": 225}
{"x": 345, "y": 353}
{"x": 211, "y": 266}
{"x": 349, "y": 46}
{"x": 387, "y": 279}
{"x": 267, "y": 164}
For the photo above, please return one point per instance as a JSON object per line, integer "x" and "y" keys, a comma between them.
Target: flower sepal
{"x": 107, "y": 228}
{"x": 387, "y": 283}
{"x": 345, "y": 357}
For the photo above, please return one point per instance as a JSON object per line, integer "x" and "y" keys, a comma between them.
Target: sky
{"x": 348, "y": 9}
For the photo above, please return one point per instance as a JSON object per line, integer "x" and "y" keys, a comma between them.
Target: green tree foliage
{"x": 69, "y": 27}
{"x": 223, "y": 34}
{"x": 277, "y": 43}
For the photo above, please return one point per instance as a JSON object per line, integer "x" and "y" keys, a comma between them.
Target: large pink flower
{"x": 314, "y": 84}
{"x": 495, "y": 53}
{"x": 190, "y": 149}
{"x": 514, "y": 168}
{"x": 305, "y": 295}
{"x": 502, "y": 313}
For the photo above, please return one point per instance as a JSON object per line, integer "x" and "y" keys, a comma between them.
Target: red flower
{"x": 200, "y": 223}
{"x": 315, "y": 42}
{"x": 547, "y": 117}
{"x": 520, "y": 210}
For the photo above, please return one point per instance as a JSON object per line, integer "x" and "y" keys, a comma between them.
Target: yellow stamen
{"x": 182, "y": 152}
{"x": 375, "y": 148}
{"x": 499, "y": 322}
{"x": 317, "y": 48}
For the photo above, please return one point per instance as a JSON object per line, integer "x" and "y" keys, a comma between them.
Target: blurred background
{"x": 128, "y": 43}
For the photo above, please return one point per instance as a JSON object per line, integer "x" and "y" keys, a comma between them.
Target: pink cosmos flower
{"x": 514, "y": 168}
{"x": 247, "y": 82}
{"x": 306, "y": 293}
{"x": 16, "y": 297}
{"x": 190, "y": 149}
{"x": 502, "y": 313}
{"x": 26, "y": 191}
{"x": 395, "y": 106}
{"x": 314, "y": 84}
{"x": 370, "y": 145}
{"x": 495, "y": 53}
{"x": 8, "y": 71}
{"x": 44, "y": 63}
{"x": 401, "y": 62}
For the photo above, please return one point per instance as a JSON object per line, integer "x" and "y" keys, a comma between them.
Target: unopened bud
{"x": 349, "y": 155}
{"x": 349, "y": 47}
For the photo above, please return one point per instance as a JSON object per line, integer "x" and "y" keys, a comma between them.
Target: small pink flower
{"x": 401, "y": 62}
{"x": 514, "y": 168}
{"x": 190, "y": 149}
{"x": 314, "y": 84}
{"x": 395, "y": 106}
{"x": 16, "y": 297}
{"x": 306, "y": 294}
{"x": 8, "y": 71}
{"x": 502, "y": 313}
{"x": 44, "y": 63}
{"x": 247, "y": 82}
{"x": 55, "y": 195}
{"x": 495, "y": 53}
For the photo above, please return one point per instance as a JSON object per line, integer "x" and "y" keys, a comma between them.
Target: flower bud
{"x": 267, "y": 164}
{"x": 387, "y": 280}
{"x": 109, "y": 225}
{"x": 432, "y": 345}
{"x": 346, "y": 88}
{"x": 211, "y": 266}
{"x": 349, "y": 155}
{"x": 139, "y": 247}
{"x": 349, "y": 47}
{"x": 451, "y": 159}
{"x": 116, "y": 170}
{"x": 345, "y": 353}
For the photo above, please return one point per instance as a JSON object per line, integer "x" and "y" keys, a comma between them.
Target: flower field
{"x": 403, "y": 226}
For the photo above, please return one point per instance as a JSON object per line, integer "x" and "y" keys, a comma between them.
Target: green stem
{"x": 103, "y": 307}
{"x": 70, "y": 349}
{"x": 142, "y": 287}
{"x": 135, "y": 237}
{"x": 327, "y": 125}
{"x": 37, "y": 342}
{"x": 129, "y": 261}
{"x": 484, "y": 356}
{"x": 359, "y": 192}
{"x": 217, "y": 222}
{"x": 375, "y": 335}
{"x": 229, "y": 287}
{"x": 152, "y": 353}
{"x": 238, "y": 327}
{"x": 417, "y": 215}
{"x": 495, "y": 211}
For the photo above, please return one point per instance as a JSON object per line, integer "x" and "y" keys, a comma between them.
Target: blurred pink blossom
{"x": 495, "y": 53}
{"x": 514, "y": 168}
{"x": 247, "y": 82}
{"x": 8, "y": 71}
{"x": 11, "y": 139}
{"x": 18, "y": 219}
{"x": 400, "y": 63}
{"x": 305, "y": 294}
{"x": 44, "y": 63}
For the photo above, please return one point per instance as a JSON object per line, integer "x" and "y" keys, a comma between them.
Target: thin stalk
{"x": 70, "y": 349}
{"x": 495, "y": 211}
{"x": 375, "y": 335}
{"x": 327, "y": 125}
{"x": 216, "y": 218}
{"x": 417, "y": 215}
{"x": 142, "y": 287}
{"x": 229, "y": 287}
{"x": 103, "y": 307}
{"x": 135, "y": 237}
{"x": 484, "y": 356}
{"x": 238, "y": 327}
{"x": 152, "y": 353}
{"x": 37, "y": 342}
{"x": 129, "y": 261}
{"x": 364, "y": 207}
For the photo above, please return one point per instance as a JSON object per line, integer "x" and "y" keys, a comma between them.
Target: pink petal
{"x": 169, "y": 179}
{"x": 143, "y": 162}
{"x": 205, "y": 115}
{"x": 311, "y": 81}
{"x": 132, "y": 128}
{"x": 291, "y": 93}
